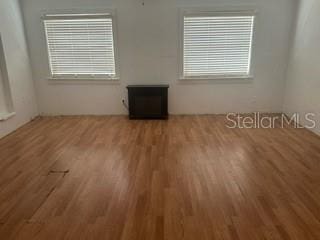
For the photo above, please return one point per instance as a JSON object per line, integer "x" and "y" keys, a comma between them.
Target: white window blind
{"x": 217, "y": 45}
{"x": 81, "y": 46}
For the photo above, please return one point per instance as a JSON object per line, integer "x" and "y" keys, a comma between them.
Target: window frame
{"x": 71, "y": 14}
{"x": 233, "y": 11}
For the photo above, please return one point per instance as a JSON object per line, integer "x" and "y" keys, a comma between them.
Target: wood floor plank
{"x": 190, "y": 177}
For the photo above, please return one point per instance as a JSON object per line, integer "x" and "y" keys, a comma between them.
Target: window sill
{"x": 84, "y": 80}
{"x": 5, "y": 116}
{"x": 219, "y": 79}
{"x": 216, "y": 77}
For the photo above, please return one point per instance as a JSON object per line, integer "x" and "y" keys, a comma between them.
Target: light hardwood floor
{"x": 186, "y": 178}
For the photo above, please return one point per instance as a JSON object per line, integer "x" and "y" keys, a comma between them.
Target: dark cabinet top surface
{"x": 149, "y": 86}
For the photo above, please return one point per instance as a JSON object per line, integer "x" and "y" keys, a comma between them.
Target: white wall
{"x": 18, "y": 66}
{"x": 303, "y": 79}
{"x": 148, "y": 43}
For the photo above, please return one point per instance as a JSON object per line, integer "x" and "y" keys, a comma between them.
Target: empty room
{"x": 159, "y": 119}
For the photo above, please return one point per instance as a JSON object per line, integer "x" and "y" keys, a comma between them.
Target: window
{"x": 81, "y": 46}
{"x": 217, "y": 45}
{"x": 6, "y": 102}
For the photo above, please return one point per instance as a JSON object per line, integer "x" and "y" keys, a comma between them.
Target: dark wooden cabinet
{"x": 148, "y": 101}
